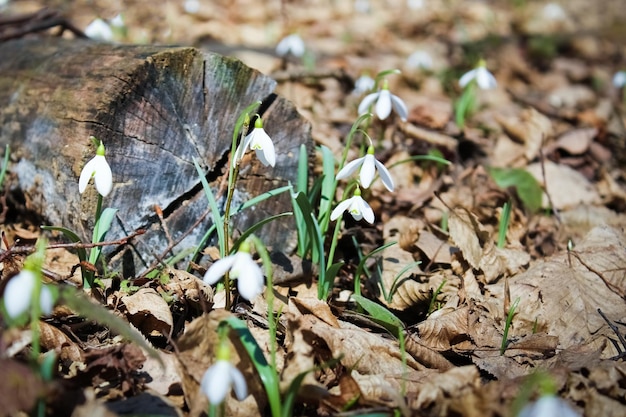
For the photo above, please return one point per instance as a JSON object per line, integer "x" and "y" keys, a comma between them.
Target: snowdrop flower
{"x": 291, "y": 44}
{"x": 484, "y": 79}
{"x": 241, "y": 266}
{"x": 415, "y": 4}
{"x": 18, "y": 295}
{"x": 548, "y": 406}
{"x": 369, "y": 164}
{"x": 191, "y": 6}
{"x": 363, "y": 84}
{"x": 99, "y": 30}
{"x": 384, "y": 102}
{"x": 260, "y": 142}
{"x": 99, "y": 169}
{"x": 619, "y": 79}
{"x": 553, "y": 11}
{"x": 362, "y": 6}
{"x": 221, "y": 377}
{"x": 420, "y": 60}
{"x": 356, "y": 206}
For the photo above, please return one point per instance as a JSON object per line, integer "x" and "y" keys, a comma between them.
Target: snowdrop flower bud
{"x": 415, "y": 4}
{"x": 420, "y": 60}
{"x": 291, "y": 44}
{"x": 385, "y": 101}
{"x": 221, "y": 377}
{"x": 99, "y": 169}
{"x": 99, "y": 30}
{"x": 363, "y": 84}
{"x": 548, "y": 406}
{"x": 18, "y": 295}
{"x": 369, "y": 164}
{"x": 484, "y": 79}
{"x": 619, "y": 79}
{"x": 356, "y": 206}
{"x": 242, "y": 267}
{"x": 260, "y": 142}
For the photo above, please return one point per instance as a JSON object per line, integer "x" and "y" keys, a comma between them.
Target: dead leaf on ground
{"x": 149, "y": 312}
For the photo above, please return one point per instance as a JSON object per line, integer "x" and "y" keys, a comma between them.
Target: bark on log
{"x": 155, "y": 108}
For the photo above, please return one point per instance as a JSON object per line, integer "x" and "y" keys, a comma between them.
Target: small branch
{"x": 622, "y": 353}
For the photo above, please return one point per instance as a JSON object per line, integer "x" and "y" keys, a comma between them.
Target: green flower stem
{"x": 94, "y": 252}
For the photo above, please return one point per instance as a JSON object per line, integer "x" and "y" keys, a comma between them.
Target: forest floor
{"x": 559, "y": 275}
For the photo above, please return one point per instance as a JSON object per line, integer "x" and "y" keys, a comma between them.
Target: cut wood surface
{"x": 155, "y": 109}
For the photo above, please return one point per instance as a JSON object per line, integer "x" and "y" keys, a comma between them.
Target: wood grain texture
{"x": 155, "y": 109}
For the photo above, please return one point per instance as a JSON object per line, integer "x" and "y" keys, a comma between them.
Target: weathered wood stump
{"x": 155, "y": 109}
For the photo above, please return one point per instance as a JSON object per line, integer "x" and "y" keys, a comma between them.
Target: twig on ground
{"x": 621, "y": 353}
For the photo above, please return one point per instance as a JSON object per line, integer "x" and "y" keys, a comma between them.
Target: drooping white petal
{"x": 103, "y": 176}
{"x": 367, "y": 101}
{"x": 291, "y": 44}
{"x": 218, "y": 269}
{"x": 385, "y": 176}
{"x": 485, "y": 79}
{"x": 46, "y": 301}
{"x": 349, "y": 168}
{"x": 467, "y": 77}
{"x": 548, "y": 406}
{"x": 364, "y": 210}
{"x": 217, "y": 381}
{"x": 619, "y": 79}
{"x": 249, "y": 276}
{"x": 383, "y": 104}
{"x": 264, "y": 147}
{"x": 419, "y": 60}
{"x": 18, "y": 293}
{"x": 239, "y": 383}
{"x": 368, "y": 170}
{"x": 99, "y": 30}
{"x": 98, "y": 168}
{"x": 341, "y": 207}
{"x": 242, "y": 148}
{"x": 399, "y": 107}
{"x": 363, "y": 84}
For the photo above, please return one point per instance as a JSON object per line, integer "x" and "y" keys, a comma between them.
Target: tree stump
{"x": 155, "y": 109}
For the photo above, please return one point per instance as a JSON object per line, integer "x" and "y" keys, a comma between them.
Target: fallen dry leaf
{"x": 149, "y": 312}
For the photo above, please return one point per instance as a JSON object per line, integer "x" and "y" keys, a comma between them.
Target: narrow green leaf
{"x": 526, "y": 186}
{"x": 380, "y": 314}
{"x": 262, "y": 197}
{"x": 5, "y": 164}
{"x": 303, "y": 170}
{"x": 268, "y": 376}
{"x": 73, "y": 237}
{"x": 104, "y": 223}
{"x": 217, "y": 216}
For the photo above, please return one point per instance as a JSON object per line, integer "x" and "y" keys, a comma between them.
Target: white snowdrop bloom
{"x": 363, "y": 84}
{"x": 242, "y": 267}
{"x": 191, "y": 6}
{"x": 362, "y": 6}
{"x": 291, "y": 44}
{"x": 99, "y": 30}
{"x": 553, "y": 11}
{"x": 415, "y": 4}
{"x": 369, "y": 164}
{"x": 220, "y": 378}
{"x": 548, "y": 406}
{"x": 99, "y": 169}
{"x": 484, "y": 79}
{"x": 385, "y": 101}
{"x": 118, "y": 21}
{"x": 619, "y": 79}
{"x": 262, "y": 144}
{"x": 420, "y": 60}
{"x": 356, "y": 206}
{"x": 18, "y": 295}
